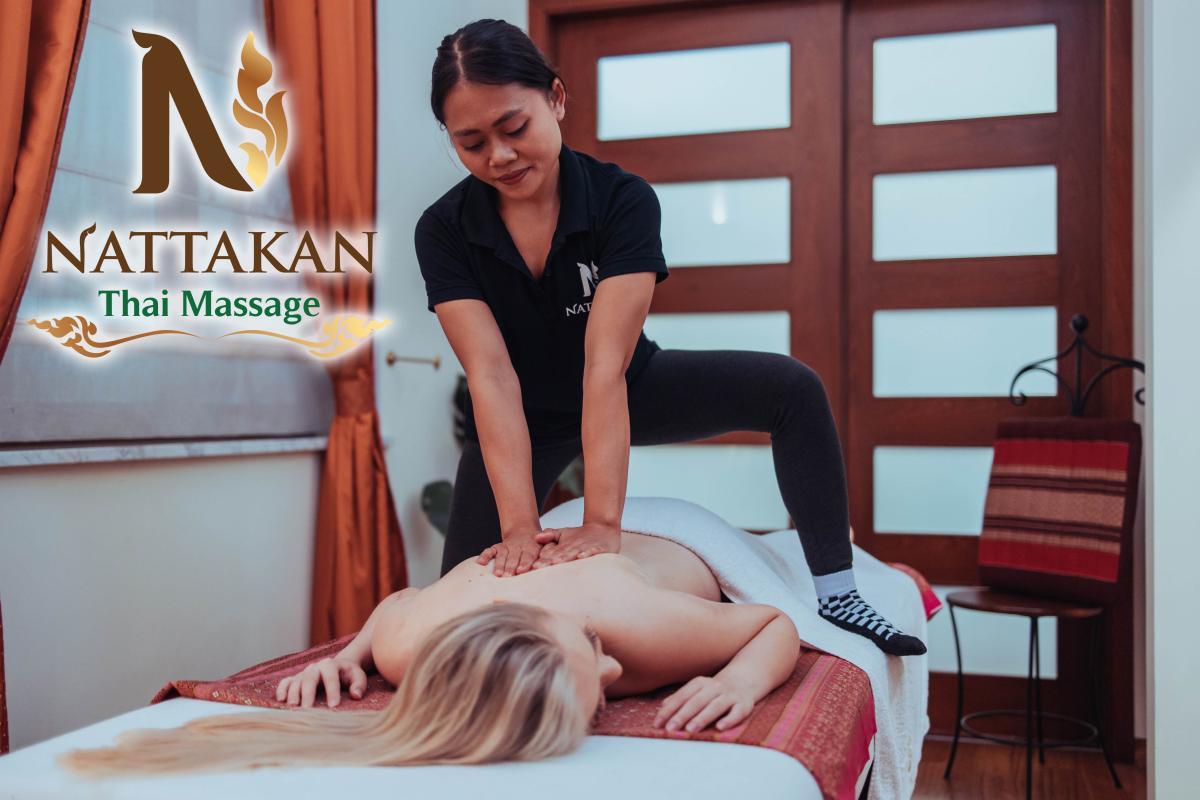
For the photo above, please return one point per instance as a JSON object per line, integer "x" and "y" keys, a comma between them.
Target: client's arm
{"x": 348, "y": 666}
{"x": 728, "y": 655}
{"x": 359, "y": 649}
{"x": 728, "y": 697}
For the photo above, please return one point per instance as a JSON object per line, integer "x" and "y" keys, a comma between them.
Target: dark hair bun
{"x": 489, "y": 51}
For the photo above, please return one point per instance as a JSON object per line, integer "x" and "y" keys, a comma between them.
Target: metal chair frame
{"x": 1033, "y": 707}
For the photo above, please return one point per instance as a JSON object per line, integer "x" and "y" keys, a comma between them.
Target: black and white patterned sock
{"x": 849, "y": 611}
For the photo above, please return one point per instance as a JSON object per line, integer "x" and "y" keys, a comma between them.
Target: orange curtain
{"x": 40, "y": 42}
{"x": 326, "y": 53}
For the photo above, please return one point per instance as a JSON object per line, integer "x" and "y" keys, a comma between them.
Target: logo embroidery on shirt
{"x": 588, "y": 276}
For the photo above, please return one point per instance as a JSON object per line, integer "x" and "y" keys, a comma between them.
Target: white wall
{"x": 417, "y": 164}
{"x": 119, "y": 577}
{"x": 1168, "y": 212}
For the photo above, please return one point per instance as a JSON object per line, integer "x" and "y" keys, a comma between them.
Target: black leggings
{"x": 683, "y": 395}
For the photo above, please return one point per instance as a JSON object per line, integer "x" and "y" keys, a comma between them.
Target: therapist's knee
{"x": 799, "y": 392}
{"x": 799, "y": 382}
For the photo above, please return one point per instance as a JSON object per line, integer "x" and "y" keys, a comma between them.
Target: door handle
{"x": 392, "y": 358}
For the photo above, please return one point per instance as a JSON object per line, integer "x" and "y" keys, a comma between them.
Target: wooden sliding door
{"x": 979, "y": 210}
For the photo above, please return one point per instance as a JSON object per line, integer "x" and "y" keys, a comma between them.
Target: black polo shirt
{"x": 608, "y": 224}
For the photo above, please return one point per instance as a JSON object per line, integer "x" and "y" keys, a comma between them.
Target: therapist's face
{"x": 527, "y": 136}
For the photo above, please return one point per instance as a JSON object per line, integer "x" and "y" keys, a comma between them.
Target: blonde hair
{"x": 489, "y": 685}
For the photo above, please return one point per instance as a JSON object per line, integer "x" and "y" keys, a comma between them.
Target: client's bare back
{"x": 656, "y": 606}
{"x": 668, "y": 565}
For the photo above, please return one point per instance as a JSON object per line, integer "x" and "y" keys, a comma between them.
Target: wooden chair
{"x": 1057, "y": 541}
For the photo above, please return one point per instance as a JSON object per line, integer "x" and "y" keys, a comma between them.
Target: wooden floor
{"x": 997, "y": 772}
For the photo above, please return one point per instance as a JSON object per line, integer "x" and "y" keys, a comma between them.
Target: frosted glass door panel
{"x": 768, "y": 331}
{"x": 986, "y": 73}
{"x": 736, "y": 482}
{"x": 931, "y": 489}
{"x": 684, "y": 92}
{"x": 992, "y": 644}
{"x": 963, "y": 352}
{"x": 966, "y": 213}
{"x": 706, "y": 223}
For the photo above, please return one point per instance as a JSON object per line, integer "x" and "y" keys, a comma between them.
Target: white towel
{"x": 771, "y": 569}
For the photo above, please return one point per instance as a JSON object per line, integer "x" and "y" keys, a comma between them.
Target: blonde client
{"x": 492, "y": 668}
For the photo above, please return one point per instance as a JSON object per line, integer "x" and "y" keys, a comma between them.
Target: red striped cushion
{"x": 1060, "y": 502}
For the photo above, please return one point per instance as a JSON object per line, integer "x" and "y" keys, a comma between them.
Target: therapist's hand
{"x": 515, "y": 553}
{"x": 560, "y": 545}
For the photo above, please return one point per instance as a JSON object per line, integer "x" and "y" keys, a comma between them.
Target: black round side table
{"x": 996, "y": 602}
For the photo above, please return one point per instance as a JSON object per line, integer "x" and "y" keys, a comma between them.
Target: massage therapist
{"x": 540, "y": 266}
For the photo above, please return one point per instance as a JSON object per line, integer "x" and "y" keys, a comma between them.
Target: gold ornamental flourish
{"x": 341, "y": 334}
{"x": 249, "y": 111}
{"x": 76, "y": 333}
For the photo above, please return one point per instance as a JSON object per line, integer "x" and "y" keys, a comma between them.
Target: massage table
{"x": 604, "y": 768}
{"x": 817, "y": 737}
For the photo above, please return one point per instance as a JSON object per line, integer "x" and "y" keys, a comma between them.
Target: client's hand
{"x": 301, "y": 688}
{"x": 567, "y": 544}
{"x": 702, "y": 700}
{"x": 514, "y": 554}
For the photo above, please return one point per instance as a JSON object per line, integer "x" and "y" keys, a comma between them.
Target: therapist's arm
{"x": 615, "y": 322}
{"x": 503, "y": 432}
